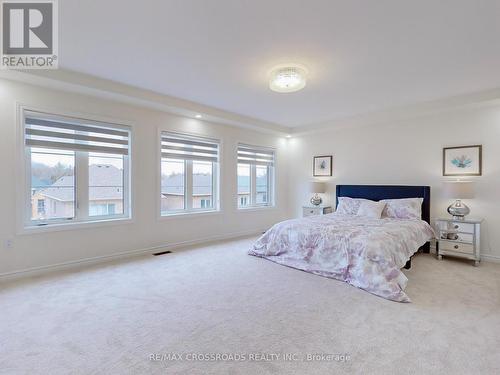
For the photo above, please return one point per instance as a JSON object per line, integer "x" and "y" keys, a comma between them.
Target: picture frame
{"x": 322, "y": 166}
{"x": 463, "y": 160}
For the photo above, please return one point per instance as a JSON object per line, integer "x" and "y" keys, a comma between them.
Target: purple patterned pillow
{"x": 349, "y": 206}
{"x": 406, "y": 208}
{"x": 371, "y": 209}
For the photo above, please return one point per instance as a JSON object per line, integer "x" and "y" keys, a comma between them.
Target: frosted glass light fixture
{"x": 288, "y": 78}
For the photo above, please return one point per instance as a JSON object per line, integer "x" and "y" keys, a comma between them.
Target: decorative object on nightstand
{"x": 459, "y": 190}
{"x": 317, "y": 188}
{"x": 316, "y": 210}
{"x": 460, "y": 238}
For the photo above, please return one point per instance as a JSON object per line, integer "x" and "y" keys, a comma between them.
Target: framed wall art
{"x": 322, "y": 166}
{"x": 462, "y": 161}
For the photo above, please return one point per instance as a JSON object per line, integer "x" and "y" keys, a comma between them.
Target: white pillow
{"x": 349, "y": 206}
{"x": 371, "y": 209}
{"x": 406, "y": 208}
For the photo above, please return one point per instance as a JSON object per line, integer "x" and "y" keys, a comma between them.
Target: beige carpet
{"x": 110, "y": 319}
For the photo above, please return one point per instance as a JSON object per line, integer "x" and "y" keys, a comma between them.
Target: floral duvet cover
{"x": 366, "y": 253}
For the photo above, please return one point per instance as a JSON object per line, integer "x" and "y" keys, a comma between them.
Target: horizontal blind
{"x": 188, "y": 148}
{"x": 255, "y": 155}
{"x": 73, "y": 135}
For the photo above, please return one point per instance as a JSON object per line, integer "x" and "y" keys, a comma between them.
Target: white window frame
{"x": 81, "y": 216}
{"x": 188, "y": 178}
{"x": 252, "y": 204}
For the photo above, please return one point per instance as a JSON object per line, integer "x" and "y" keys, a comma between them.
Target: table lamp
{"x": 317, "y": 188}
{"x": 459, "y": 190}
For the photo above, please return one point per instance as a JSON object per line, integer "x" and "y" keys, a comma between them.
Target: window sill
{"x": 256, "y": 208}
{"x": 56, "y": 227}
{"x": 190, "y": 214}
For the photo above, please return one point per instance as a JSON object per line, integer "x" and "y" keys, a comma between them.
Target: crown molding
{"x": 69, "y": 81}
{"x": 473, "y": 100}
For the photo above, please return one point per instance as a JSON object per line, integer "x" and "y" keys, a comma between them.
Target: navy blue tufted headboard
{"x": 378, "y": 192}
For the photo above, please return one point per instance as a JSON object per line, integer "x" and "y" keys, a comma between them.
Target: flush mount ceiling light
{"x": 288, "y": 78}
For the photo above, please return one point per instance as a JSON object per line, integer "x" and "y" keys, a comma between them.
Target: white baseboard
{"x": 490, "y": 258}
{"x": 36, "y": 271}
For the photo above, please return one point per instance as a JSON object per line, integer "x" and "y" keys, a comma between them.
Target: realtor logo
{"x": 29, "y": 34}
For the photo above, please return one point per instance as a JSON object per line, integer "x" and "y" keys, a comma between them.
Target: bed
{"x": 365, "y": 252}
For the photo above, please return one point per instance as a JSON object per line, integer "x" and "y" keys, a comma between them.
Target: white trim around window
{"x": 51, "y": 139}
{"x": 189, "y": 175}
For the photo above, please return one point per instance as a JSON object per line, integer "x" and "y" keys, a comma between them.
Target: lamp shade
{"x": 318, "y": 187}
{"x": 459, "y": 189}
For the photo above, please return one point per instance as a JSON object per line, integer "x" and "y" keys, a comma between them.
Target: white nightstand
{"x": 316, "y": 210}
{"x": 460, "y": 238}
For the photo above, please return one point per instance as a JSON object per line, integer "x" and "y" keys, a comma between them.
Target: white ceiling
{"x": 363, "y": 55}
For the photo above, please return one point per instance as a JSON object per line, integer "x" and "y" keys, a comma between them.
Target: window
{"x": 255, "y": 176}
{"x": 105, "y": 184}
{"x": 261, "y": 184}
{"x": 189, "y": 174}
{"x": 41, "y": 207}
{"x": 243, "y": 201}
{"x": 52, "y": 184}
{"x": 79, "y": 170}
{"x": 102, "y": 209}
{"x": 203, "y": 184}
{"x": 244, "y": 184}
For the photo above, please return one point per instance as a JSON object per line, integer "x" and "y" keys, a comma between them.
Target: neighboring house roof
{"x": 61, "y": 190}
{"x": 202, "y": 184}
{"x": 174, "y": 184}
{"x": 243, "y": 185}
{"x": 38, "y": 184}
{"x": 106, "y": 183}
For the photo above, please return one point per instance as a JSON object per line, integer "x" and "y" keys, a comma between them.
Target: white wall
{"x": 409, "y": 153}
{"x": 49, "y": 248}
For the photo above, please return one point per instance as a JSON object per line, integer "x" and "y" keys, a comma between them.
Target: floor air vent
{"x": 162, "y": 253}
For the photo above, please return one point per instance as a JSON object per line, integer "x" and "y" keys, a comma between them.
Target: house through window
{"x": 79, "y": 169}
